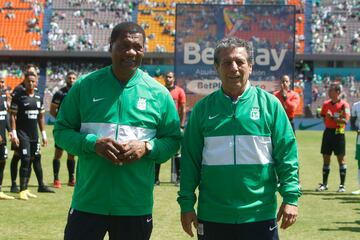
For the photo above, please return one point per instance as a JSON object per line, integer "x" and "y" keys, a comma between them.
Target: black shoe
{"x": 45, "y": 189}
{"x": 157, "y": 182}
{"x": 14, "y": 189}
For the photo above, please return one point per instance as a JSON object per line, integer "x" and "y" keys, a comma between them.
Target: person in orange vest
{"x": 179, "y": 97}
{"x": 289, "y": 99}
{"x": 336, "y": 113}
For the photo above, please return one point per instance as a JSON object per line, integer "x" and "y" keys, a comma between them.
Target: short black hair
{"x": 126, "y": 27}
{"x": 167, "y": 72}
{"x": 71, "y": 72}
{"x": 30, "y": 65}
{"x": 29, "y": 73}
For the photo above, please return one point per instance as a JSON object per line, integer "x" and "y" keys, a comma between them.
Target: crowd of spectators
{"x": 205, "y": 20}
{"x": 224, "y": 1}
{"x": 84, "y": 25}
{"x": 56, "y": 73}
{"x": 158, "y": 21}
{"x": 13, "y": 70}
{"x": 26, "y": 12}
{"x": 81, "y": 25}
{"x": 260, "y": 2}
{"x": 4, "y": 44}
{"x": 321, "y": 83}
{"x": 336, "y": 26}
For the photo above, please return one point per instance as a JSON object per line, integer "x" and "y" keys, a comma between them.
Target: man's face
{"x": 333, "y": 94}
{"x": 30, "y": 82}
{"x": 233, "y": 68}
{"x": 127, "y": 51}
{"x": 70, "y": 80}
{"x": 169, "y": 79}
{"x": 285, "y": 83}
{"x": 2, "y": 83}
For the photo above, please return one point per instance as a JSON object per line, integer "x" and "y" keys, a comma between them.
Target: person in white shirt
{"x": 355, "y": 125}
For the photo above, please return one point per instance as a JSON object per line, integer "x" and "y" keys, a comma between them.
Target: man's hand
{"x": 110, "y": 149}
{"x": 329, "y": 114}
{"x": 44, "y": 142}
{"x": 15, "y": 141}
{"x": 287, "y": 213}
{"x": 1, "y": 139}
{"x": 44, "y": 138}
{"x": 134, "y": 150}
{"x": 188, "y": 219}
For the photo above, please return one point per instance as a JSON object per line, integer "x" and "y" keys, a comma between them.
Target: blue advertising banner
{"x": 270, "y": 28}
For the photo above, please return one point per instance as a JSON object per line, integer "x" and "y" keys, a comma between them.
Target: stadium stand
{"x": 21, "y": 25}
{"x": 264, "y": 23}
{"x": 21, "y": 4}
{"x": 85, "y": 25}
{"x": 13, "y": 72}
{"x": 56, "y": 72}
{"x": 158, "y": 20}
{"x": 261, "y": 2}
{"x": 335, "y": 27}
{"x": 22, "y": 31}
{"x": 300, "y": 23}
{"x": 240, "y": 2}
{"x": 161, "y": 34}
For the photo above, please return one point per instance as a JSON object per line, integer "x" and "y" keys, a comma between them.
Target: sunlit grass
{"x": 322, "y": 216}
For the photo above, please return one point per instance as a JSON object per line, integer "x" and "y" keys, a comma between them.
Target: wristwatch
{"x": 148, "y": 148}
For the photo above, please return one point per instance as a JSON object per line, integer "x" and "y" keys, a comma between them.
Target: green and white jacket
{"x": 235, "y": 152}
{"x": 97, "y": 106}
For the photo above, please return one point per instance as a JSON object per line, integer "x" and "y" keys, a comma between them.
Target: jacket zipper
{"x": 119, "y": 103}
{"x": 234, "y": 136}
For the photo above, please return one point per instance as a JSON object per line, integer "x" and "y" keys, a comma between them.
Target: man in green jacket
{"x": 238, "y": 145}
{"x": 119, "y": 122}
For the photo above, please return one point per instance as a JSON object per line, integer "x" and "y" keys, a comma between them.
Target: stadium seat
{"x": 15, "y": 30}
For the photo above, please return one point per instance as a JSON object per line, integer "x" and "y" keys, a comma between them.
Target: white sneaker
{"x": 321, "y": 188}
{"x": 357, "y": 192}
{"x": 341, "y": 189}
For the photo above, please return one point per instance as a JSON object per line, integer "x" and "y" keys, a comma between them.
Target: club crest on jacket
{"x": 255, "y": 113}
{"x": 141, "y": 104}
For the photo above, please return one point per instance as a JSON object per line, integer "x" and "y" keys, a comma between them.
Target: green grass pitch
{"x": 326, "y": 216}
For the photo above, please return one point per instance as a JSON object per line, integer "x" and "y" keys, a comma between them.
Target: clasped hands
{"x": 120, "y": 153}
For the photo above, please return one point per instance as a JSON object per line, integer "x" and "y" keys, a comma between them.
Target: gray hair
{"x": 233, "y": 42}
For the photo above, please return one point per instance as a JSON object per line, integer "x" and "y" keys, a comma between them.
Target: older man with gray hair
{"x": 238, "y": 145}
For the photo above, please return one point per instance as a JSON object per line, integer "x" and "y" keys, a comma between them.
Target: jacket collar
{"x": 132, "y": 81}
{"x": 246, "y": 94}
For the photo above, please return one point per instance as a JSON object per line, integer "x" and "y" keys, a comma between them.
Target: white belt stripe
{"x": 124, "y": 133}
{"x": 248, "y": 150}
